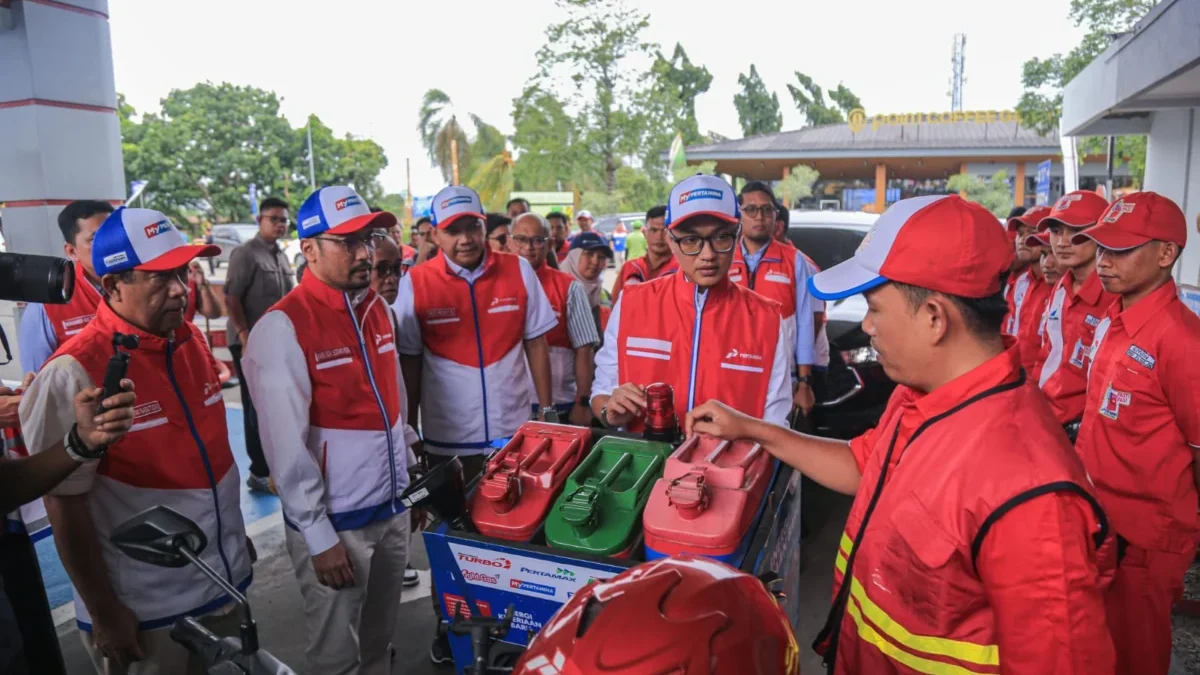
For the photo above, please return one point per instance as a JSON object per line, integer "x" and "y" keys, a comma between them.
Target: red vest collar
{"x": 442, "y": 264}
{"x": 84, "y": 289}
{"x": 107, "y": 322}
{"x": 685, "y": 289}
{"x": 328, "y": 295}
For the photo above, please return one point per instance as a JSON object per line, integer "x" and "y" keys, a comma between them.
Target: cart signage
{"x": 522, "y": 574}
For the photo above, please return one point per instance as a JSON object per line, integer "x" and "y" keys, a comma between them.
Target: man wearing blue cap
{"x": 697, "y": 331}
{"x": 472, "y": 332}
{"x": 176, "y": 454}
{"x": 321, "y": 364}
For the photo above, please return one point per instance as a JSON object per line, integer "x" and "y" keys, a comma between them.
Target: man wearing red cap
{"x": 1077, "y": 303}
{"x": 1141, "y": 423}
{"x": 1027, "y": 291}
{"x": 1032, "y": 334}
{"x": 695, "y": 330}
{"x": 971, "y": 544}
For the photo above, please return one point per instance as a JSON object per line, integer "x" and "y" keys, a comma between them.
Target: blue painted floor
{"x": 255, "y": 506}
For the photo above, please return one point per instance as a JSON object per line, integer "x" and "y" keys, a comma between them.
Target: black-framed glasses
{"x": 535, "y": 242}
{"x": 278, "y": 220}
{"x": 693, "y": 244}
{"x": 392, "y": 269}
{"x": 501, "y": 239}
{"x": 352, "y": 245}
{"x": 767, "y": 211}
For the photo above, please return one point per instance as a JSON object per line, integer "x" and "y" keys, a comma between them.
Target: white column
{"x": 59, "y": 130}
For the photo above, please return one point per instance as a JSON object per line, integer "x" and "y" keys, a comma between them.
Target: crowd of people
{"x": 1027, "y": 503}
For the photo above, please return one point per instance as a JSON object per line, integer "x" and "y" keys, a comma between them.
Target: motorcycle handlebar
{"x": 221, "y": 653}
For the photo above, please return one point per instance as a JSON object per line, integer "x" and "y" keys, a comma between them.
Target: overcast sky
{"x": 363, "y": 65}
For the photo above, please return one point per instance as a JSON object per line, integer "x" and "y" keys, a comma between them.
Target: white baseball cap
{"x": 584, "y": 214}
{"x": 454, "y": 202}
{"x": 702, "y": 195}
{"x": 143, "y": 239}
{"x": 338, "y": 209}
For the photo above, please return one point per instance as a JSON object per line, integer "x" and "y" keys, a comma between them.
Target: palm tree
{"x": 493, "y": 180}
{"x": 438, "y": 126}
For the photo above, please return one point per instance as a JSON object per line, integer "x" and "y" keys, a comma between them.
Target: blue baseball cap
{"x": 338, "y": 209}
{"x": 590, "y": 241}
{"x": 143, "y": 239}
{"x": 702, "y": 195}
{"x": 454, "y": 202}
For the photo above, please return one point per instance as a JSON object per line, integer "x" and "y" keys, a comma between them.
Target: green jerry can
{"x": 600, "y": 509}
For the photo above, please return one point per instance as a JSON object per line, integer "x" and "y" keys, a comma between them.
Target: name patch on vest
{"x": 441, "y": 315}
{"x": 777, "y": 278}
{"x": 1091, "y": 321}
{"x": 384, "y": 343}
{"x": 212, "y": 393}
{"x": 146, "y": 410}
{"x": 500, "y": 305}
{"x": 338, "y": 356}
{"x": 1141, "y": 356}
{"x": 73, "y": 326}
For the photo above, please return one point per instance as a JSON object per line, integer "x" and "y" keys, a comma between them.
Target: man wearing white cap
{"x": 697, "y": 331}
{"x": 322, "y": 366}
{"x": 974, "y": 530}
{"x": 470, "y": 320}
{"x": 585, "y": 221}
{"x": 176, "y": 454}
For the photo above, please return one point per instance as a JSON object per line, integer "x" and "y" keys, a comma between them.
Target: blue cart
{"x": 478, "y": 575}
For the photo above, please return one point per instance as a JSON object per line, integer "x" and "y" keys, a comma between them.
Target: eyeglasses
{"x": 755, "y": 212}
{"x": 352, "y": 245}
{"x": 721, "y": 242}
{"x": 279, "y": 220}
{"x": 535, "y": 242}
{"x": 393, "y": 269}
{"x": 501, "y": 239}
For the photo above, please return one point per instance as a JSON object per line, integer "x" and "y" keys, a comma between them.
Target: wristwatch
{"x": 804, "y": 379}
{"x": 78, "y": 450}
{"x": 585, "y": 401}
{"x": 604, "y": 416}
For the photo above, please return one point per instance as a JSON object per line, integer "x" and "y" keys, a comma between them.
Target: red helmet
{"x": 684, "y": 615}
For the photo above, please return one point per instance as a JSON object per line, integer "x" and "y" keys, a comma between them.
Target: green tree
{"x": 681, "y": 81}
{"x": 547, "y": 141}
{"x": 798, "y": 185}
{"x": 493, "y": 181}
{"x": 338, "y": 161}
{"x": 681, "y": 172}
{"x": 995, "y": 194}
{"x": 440, "y": 129}
{"x": 1040, "y": 106}
{"x": 758, "y": 109}
{"x": 810, "y": 101}
{"x": 598, "y": 46}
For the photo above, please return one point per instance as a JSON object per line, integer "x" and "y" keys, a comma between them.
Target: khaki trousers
{"x": 350, "y": 631}
{"x": 165, "y": 656}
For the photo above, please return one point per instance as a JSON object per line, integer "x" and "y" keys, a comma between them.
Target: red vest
{"x": 725, "y": 351}
{"x": 774, "y": 278}
{"x": 556, "y": 284}
{"x": 356, "y": 432}
{"x": 176, "y": 454}
{"x": 638, "y": 271}
{"x": 915, "y": 595}
{"x": 69, "y": 319}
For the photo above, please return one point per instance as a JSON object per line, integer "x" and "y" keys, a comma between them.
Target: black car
{"x": 857, "y": 388}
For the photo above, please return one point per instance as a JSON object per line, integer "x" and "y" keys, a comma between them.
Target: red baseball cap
{"x": 1081, "y": 208}
{"x": 1030, "y": 218}
{"x": 944, "y": 243}
{"x": 1038, "y": 239}
{"x": 1136, "y": 219}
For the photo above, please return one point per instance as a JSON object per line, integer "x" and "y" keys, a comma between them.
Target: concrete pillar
{"x": 1173, "y": 170}
{"x": 1019, "y": 185}
{"x": 59, "y": 130}
{"x": 880, "y": 187}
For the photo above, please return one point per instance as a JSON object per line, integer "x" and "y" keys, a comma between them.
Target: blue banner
{"x": 253, "y": 199}
{"x": 1190, "y": 295}
{"x": 422, "y": 207}
{"x": 1043, "y": 183}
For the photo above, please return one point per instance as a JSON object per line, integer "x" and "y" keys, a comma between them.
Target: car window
{"x": 827, "y": 246}
{"x": 245, "y": 232}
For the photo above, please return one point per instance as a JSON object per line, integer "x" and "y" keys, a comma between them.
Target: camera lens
{"x": 36, "y": 278}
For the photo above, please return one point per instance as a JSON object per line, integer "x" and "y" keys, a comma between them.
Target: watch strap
{"x": 78, "y": 450}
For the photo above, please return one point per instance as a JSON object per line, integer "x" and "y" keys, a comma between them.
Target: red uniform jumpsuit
{"x": 971, "y": 545}
{"x": 1071, "y": 320}
{"x": 1140, "y": 434}
{"x": 1028, "y": 295}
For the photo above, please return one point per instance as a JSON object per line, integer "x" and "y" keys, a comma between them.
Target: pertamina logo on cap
{"x": 700, "y": 193}
{"x": 1065, "y": 201}
{"x": 1117, "y": 210}
{"x": 461, "y": 199}
{"x": 352, "y": 200}
{"x": 154, "y": 229}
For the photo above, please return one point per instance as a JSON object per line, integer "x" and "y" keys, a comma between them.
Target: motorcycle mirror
{"x": 155, "y": 536}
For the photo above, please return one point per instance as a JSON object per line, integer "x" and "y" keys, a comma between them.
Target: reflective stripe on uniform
{"x": 861, "y": 604}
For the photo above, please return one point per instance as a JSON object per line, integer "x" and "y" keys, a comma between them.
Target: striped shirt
{"x": 581, "y": 327}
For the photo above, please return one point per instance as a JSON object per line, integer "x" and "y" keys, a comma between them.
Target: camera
{"x": 36, "y": 278}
